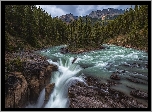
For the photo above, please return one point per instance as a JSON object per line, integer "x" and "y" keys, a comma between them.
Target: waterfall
{"x": 40, "y": 101}
{"x": 63, "y": 78}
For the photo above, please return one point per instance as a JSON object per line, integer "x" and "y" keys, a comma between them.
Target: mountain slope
{"x": 108, "y": 14}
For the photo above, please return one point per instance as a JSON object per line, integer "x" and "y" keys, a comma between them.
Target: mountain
{"x": 106, "y": 12}
{"x": 109, "y": 13}
{"x": 68, "y": 17}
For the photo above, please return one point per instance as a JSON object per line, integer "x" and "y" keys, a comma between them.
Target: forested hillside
{"x": 131, "y": 29}
{"x": 29, "y": 27}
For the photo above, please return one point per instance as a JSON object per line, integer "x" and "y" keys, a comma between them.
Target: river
{"x": 130, "y": 63}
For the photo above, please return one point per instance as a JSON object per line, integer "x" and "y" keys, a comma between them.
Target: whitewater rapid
{"x": 101, "y": 63}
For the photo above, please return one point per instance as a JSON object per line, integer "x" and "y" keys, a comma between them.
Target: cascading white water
{"x": 40, "y": 101}
{"x": 62, "y": 79}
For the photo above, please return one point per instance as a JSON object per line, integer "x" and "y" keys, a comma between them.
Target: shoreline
{"x": 100, "y": 95}
{"x": 102, "y": 47}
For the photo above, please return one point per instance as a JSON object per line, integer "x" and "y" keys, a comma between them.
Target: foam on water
{"x": 101, "y": 63}
{"x": 63, "y": 79}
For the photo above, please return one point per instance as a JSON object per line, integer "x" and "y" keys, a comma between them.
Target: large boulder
{"x": 64, "y": 50}
{"x": 104, "y": 47}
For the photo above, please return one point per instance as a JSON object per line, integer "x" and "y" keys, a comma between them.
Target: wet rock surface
{"x": 135, "y": 80}
{"x": 38, "y": 75}
{"x": 64, "y": 50}
{"x": 139, "y": 94}
{"x": 99, "y": 95}
{"x": 104, "y": 47}
{"x": 115, "y": 76}
{"x": 36, "y": 72}
{"x": 48, "y": 90}
{"x": 74, "y": 60}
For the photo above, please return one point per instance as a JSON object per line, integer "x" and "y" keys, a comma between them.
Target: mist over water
{"x": 130, "y": 63}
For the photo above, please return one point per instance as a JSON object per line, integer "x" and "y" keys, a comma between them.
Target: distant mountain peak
{"x": 110, "y": 13}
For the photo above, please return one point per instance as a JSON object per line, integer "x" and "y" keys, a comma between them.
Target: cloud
{"x": 53, "y": 10}
{"x": 100, "y": 7}
{"x": 77, "y": 10}
{"x": 82, "y": 10}
{"x": 67, "y": 8}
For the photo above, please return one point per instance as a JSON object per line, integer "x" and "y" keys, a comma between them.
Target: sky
{"x": 77, "y": 10}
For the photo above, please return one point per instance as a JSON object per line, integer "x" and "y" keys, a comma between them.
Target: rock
{"x": 64, "y": 50}
{"x": 16, "y": 91}
{"x": 34, "y": 87}
{"x": 87, "y": 96}
{"x": 68, "y": 17}
{"x": 102, "y": 47}
{"x": 94, "y": 96}
{"x": 135, "y": 64}
{"x": 115, "y": 76}
{"x": 50, "y": 68}
{"x": 80, "y": 51}
{"x": 86, "y": 102}
{"x": 139, "y": 94}
{"x": 136, "y": 80}
{"x": 39, "y": 80}
{"x": 103, "y": 13}
{"x": 86, "y": 65}
{"x": 48, "y": 90}
{"x": 126, "y": 64}
{"x": 112, "y": 83}
{"x": 84, "y": 97}
{"x": 146, "y": 65}
{"x": 36, "y": 71}
{"x": 74, "y": 60}
{"x": 132, "y": 64}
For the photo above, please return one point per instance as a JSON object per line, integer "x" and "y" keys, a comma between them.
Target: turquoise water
{"x": 130, "y": 63}
{"x": 103, "y": 62}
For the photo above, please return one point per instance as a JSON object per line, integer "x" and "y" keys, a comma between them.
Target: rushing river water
{"x": 130, "y": 63}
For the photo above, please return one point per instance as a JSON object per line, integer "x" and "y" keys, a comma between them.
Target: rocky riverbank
{"x": 65, "y": 50}
{"x": 100, "y": 95}
{"x": 26, "y": 74}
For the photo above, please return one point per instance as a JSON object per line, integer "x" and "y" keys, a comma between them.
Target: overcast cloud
{"x": 77, "y": 10}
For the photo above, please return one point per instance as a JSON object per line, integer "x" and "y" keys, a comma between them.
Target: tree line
{"x": 27, "y": 26}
